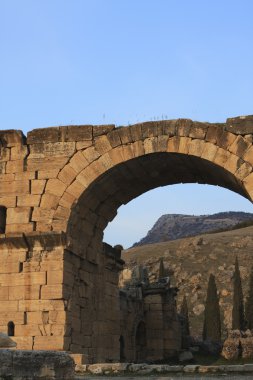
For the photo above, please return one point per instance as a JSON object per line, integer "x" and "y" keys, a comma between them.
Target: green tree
{"x": 185, "y": 314}
{"x": 238, "y": 319}
{"x": 249, "y": 303}
{"x": 212, "y": 322}
{"x": 162, "y": 272}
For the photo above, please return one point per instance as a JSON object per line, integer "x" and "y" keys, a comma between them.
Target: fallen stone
{"x": 6, "y": 341}
{"x": 36, "y": 365}
{"x": 185, "y": 356}
{"x": 190, "y": 368}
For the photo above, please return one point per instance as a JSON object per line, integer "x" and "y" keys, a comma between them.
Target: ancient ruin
{"x": 60, "y": 187}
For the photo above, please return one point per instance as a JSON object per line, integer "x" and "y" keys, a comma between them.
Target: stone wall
{"x": 61, "y": 186}
{"x": 150, "y": 326}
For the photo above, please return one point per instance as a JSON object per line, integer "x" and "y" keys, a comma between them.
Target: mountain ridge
{"x": 177, "y": 226}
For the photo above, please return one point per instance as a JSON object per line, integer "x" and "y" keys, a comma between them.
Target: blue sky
{"x": 124, "y": 61}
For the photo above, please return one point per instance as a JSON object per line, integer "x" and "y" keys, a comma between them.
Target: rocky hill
{"x": 177, "y": 226}
{"x": 189, "y": 262}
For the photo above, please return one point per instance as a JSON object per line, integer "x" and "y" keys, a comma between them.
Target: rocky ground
{"x": 190, "y": 261}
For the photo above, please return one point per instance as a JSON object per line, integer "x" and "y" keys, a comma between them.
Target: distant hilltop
{"x": 177, "y": 226}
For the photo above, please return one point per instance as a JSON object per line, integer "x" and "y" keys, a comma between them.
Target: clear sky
{"x": 124, "y": 61}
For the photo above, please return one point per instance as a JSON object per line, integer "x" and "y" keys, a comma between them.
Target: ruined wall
{"x": 59, "y": 189}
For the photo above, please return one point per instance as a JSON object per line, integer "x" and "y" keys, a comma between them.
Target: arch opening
{"x": 98, "y": 204}
{"x": 98, "y": 265}
{"x": 11, "y": 328}
{"x": 140, "y": 342}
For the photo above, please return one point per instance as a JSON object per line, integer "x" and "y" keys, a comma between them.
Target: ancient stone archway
{"x": 61, "y": 186}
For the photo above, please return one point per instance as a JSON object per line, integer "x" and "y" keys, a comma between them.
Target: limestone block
{"x": 196, "y": 147}
{"x": 20, "y": 227}
{"x": 105, "y": 161}
{"x": 125, "y": 135}
{"x": 239, "y": 146}
{"x": 214, "y": 133}
{"x": 233, "y": 163}
{"x": 46, "y": 174}
{"x": 184, "y": 145}
{"x": 56, "y": 187}
{"x": 243, "y": 171}
{"x": 26, "y": 292}
{"x": 59, "y": 277}
{"x": 136, "y": 132}
{"x": 102, "y": 129}
{"x": 12, "y": 137}
{"x": 248, "y": 156}
{"x": 173, "y": 144}
{"x": 91, "y": 154}
{"x": 198, "y": 130}
{"x": 23, "y": 342}
{"x": 10, "y": 267}
{"x": 138, "y": 148}
{"x": 8, "y": 201}
{"x": 18, "y": 215}
{"x": 40, "y": 214}
{"x": 76, "y": 188}
{"x": 28, "y": 200}
{"x": 38, "y": 186}
{"x": 80, "y": 145}
{"x": 67, "y": 174}
{"x": 27, "y": 330}
{"x": 209, "y": 151}
{"x": 50, "y": 201}
{"x": 7, "y": 316}
{"x": 17, "y": 279}
{"x": 6, "y": 306}
{"x": 43, "y": 134}
{"x": 241, "y": 125}
{"x": 183, "y": 127}
{"x": 150, "y": 145}
{"x": 162, "y": 142}
{"x": 52, "y": 292}
{"x": 57, "y": 316}
{"x": 4, "y": 293}
{"x": 51, "y": 343}
{"x": 4, "y": 154}
{"x": 40, "y": 305}
{"x": 102, "y": 144}
{"x": 56, "y": 149}
{"x": 78, "y": 162}
{"x": 24, "y": 175}
{"x": 19, "y": 152}
{"x": 221, "y": 157}
{"x": 67, "y": 200}
{"x": 151, "y": 129}
{"x": 116, "y": 155}
{"x": 79, "y": 132}
{"x": 42, "y": 164}
{"x": 114, "y": 138}
{"x": 225, "y": 140}
{"x": 6, "y": 177}
{"x": 14, "y": 187}
{"x": 16, "y": 166}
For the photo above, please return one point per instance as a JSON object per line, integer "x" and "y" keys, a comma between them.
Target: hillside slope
{"x": 176, "y": 226}
{"x": 191, "y": 260}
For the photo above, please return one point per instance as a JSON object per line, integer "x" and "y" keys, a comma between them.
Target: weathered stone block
{"x": 18, "y": 215}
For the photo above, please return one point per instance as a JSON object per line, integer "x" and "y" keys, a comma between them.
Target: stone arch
{"x": 59, "y": 213}
{"x": 90, "y": 165}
